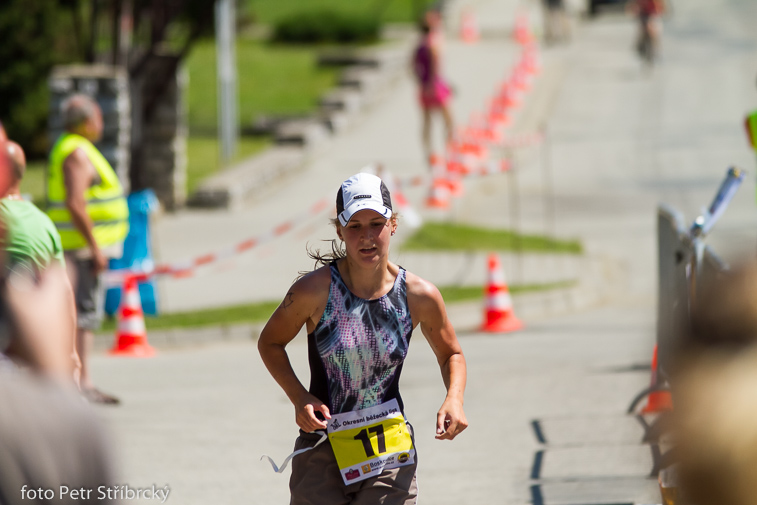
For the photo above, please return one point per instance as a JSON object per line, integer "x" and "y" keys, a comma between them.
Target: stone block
{"x": 360, "y": 78}
{"x": 267, "y": 124}
{"x": 307, "y": 133}
{"x": 343, "y": 57}
{"x": 334, "y": 121}
{"x": 230, "y": 188}
{"x": 343, "y": 100}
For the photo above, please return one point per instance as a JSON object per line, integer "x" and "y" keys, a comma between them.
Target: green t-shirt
{"x": 31, "y": 236}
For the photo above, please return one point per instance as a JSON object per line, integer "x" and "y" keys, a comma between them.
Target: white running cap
{"x": 362, "y": 191}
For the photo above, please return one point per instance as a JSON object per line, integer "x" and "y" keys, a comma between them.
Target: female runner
{"x": 360, "y": 310}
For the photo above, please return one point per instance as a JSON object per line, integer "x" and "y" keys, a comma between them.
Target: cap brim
{"x": 350, "y": 211}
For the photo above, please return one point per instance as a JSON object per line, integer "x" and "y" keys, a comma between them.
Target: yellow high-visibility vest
{"x": 106, "y": 204}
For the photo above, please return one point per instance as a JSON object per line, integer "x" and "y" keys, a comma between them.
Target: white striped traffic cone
{"x": 131, "y": 335}
{"x": 498, "y": 313}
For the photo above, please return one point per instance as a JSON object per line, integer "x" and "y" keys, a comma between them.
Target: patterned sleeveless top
{"x": 357, "y": 348}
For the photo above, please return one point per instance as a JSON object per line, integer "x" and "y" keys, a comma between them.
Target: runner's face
{"x": 366, "y": 237}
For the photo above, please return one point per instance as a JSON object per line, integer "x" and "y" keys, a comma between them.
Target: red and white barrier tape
{"x": 187, "y": 268}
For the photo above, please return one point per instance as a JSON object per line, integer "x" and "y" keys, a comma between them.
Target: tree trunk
{"x": 94, "y": 16}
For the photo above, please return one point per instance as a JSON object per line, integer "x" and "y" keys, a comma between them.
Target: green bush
{"x": 326, "y": 25}
{"x": 30, "y": 34}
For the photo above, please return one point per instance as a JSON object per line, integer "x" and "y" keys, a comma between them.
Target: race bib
{"x": 367, "y": 441}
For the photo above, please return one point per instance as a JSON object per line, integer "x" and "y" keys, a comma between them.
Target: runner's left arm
{"x": 427, "y": 307}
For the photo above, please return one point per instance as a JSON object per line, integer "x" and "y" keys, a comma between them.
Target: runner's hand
{"x": 450, "y": 420}
{"x": 305, "y": 413}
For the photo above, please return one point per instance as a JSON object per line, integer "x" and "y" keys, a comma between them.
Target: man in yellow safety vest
{"x": 86, "y": 202}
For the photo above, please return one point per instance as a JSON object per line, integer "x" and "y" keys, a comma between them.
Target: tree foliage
{"x": 30, "y": 31}
{"x": 37, "y": 34}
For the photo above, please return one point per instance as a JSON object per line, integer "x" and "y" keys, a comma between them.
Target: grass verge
{"x": 203, "y": 156}
{"x": 390, "y": 11}
{"x": 260, "y": 312}
{"x": 453, "y": 294}
{"x": 272, "y": 79}
{"x": 433, "y": 236}
{"x": 249, "y": 313}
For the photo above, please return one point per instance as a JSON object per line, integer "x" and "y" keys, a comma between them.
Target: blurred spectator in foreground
{"x": 714, "y": 384}
{"x": 556, "y": 23}
{"x": 3, "y": 135}
{"x": 49, "y": 438}
{"x": 433, "y": 92}
{"x": 31, "y": 244}
{"x": 86, "y": 202}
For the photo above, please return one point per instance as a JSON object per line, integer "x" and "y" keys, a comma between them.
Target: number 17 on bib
{"x": 368, "y": 441}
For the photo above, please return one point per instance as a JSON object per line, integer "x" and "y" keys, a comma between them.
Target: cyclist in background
{"x": 650, "y": 27}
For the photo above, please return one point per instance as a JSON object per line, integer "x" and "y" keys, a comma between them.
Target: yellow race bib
{"x": 367, "y": 441}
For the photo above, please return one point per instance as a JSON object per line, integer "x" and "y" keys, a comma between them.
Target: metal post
{"x": 548, "y": 185}
{"x": 515, "y": 215}
{"x": 227, "y": 79}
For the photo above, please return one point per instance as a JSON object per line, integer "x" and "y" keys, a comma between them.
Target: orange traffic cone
{"x": 468, "y": 27}
{"x": 657, "y": 401}
{"x": 508, "y": 96}
{"x": 522, "y": 32}
{"x": 472, "y": 146}
{"x": 498, "y": 314}
{"x": 457, "y": 162}
{"x": 441, "y": 170}
{"x": 440, "y": 193}
{"x": 531, "y": 61}
{"x": 498, "y": 115}
{"x": 131, "y": 335}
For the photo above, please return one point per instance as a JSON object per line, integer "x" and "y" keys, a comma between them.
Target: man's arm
{"x": 78, "y": 174}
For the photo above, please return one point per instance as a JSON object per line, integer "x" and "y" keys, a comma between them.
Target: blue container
{"x": 137, "y": 252}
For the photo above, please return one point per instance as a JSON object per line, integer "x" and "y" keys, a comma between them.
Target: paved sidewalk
{"x": 619, "y": 141}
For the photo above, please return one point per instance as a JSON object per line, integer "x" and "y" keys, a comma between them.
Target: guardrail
{"x": 686, "y": 267}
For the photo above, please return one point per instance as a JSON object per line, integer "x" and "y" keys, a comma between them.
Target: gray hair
{"x": 77, "y": 109}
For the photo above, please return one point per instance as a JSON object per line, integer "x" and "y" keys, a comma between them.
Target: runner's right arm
{"x": 302, "y": 306}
